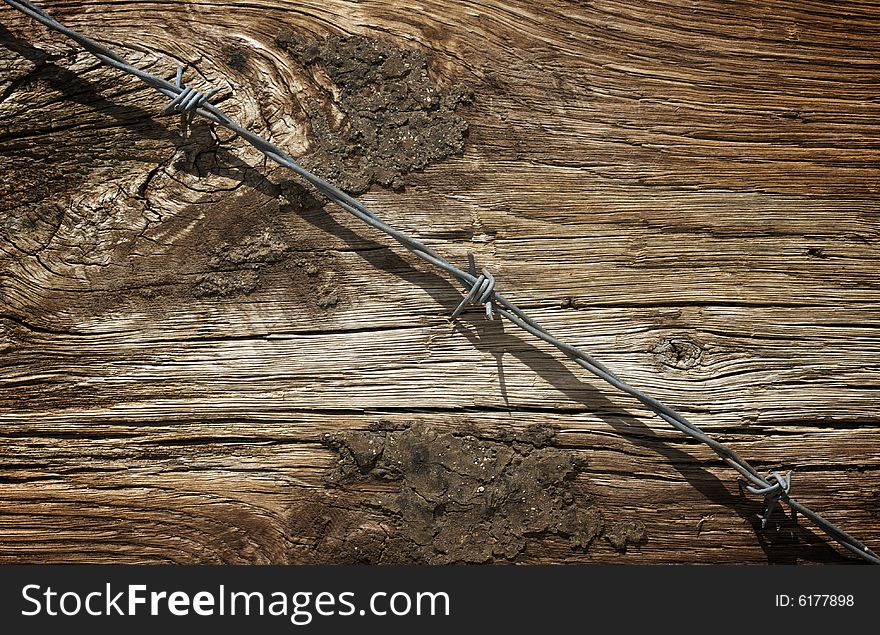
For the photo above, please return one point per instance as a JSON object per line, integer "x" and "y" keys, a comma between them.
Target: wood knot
{"x": 679, "y": 352}
{"x": 235, "y": 58}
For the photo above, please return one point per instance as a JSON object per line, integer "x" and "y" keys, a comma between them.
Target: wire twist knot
{"x": 778, "y": 489}
{"x": 481, "y": 292}
{"x": 189, "y": 99}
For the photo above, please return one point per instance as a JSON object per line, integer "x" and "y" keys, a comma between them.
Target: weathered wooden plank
{"x": 688, "y": 194}
{"x": 763, "y": 372}
{"x": 255, "y": 469}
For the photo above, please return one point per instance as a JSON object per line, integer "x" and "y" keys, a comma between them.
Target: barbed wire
{"x": 480, "y": 288}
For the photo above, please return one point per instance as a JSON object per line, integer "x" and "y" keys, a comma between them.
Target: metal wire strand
{"x": 480, "y": 289}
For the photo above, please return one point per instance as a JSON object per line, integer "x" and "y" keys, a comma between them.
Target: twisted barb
{"x": 777, "y": 489}
{"x": 481, "y": 288}
{"x": 189, "y": 100}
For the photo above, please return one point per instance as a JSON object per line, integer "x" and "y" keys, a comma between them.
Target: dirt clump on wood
{"x": 441, "y": 497}
{"x": 383, "y": 117}
{"x": 225, "y": 284}
{"x": 626, "y": 532}
{"x": 253, "y": 243}
{"x": 258, "y": 249}
{"x": 237, "y": 264}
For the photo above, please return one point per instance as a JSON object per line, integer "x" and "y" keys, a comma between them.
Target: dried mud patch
{"x": 626, "y": 532}
{"x": 377, "y": 115}
{"x": 243, "y": 266}
{"x": 254, "y": 240}
{"x": 237, "y": 265}
{"x": 430, "y": 496}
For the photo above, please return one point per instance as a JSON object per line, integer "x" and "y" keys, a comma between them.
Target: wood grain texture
{"x": 688, "y": 190}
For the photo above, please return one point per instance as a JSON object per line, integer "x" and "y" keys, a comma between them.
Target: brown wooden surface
{"x": 688, "y": 190}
